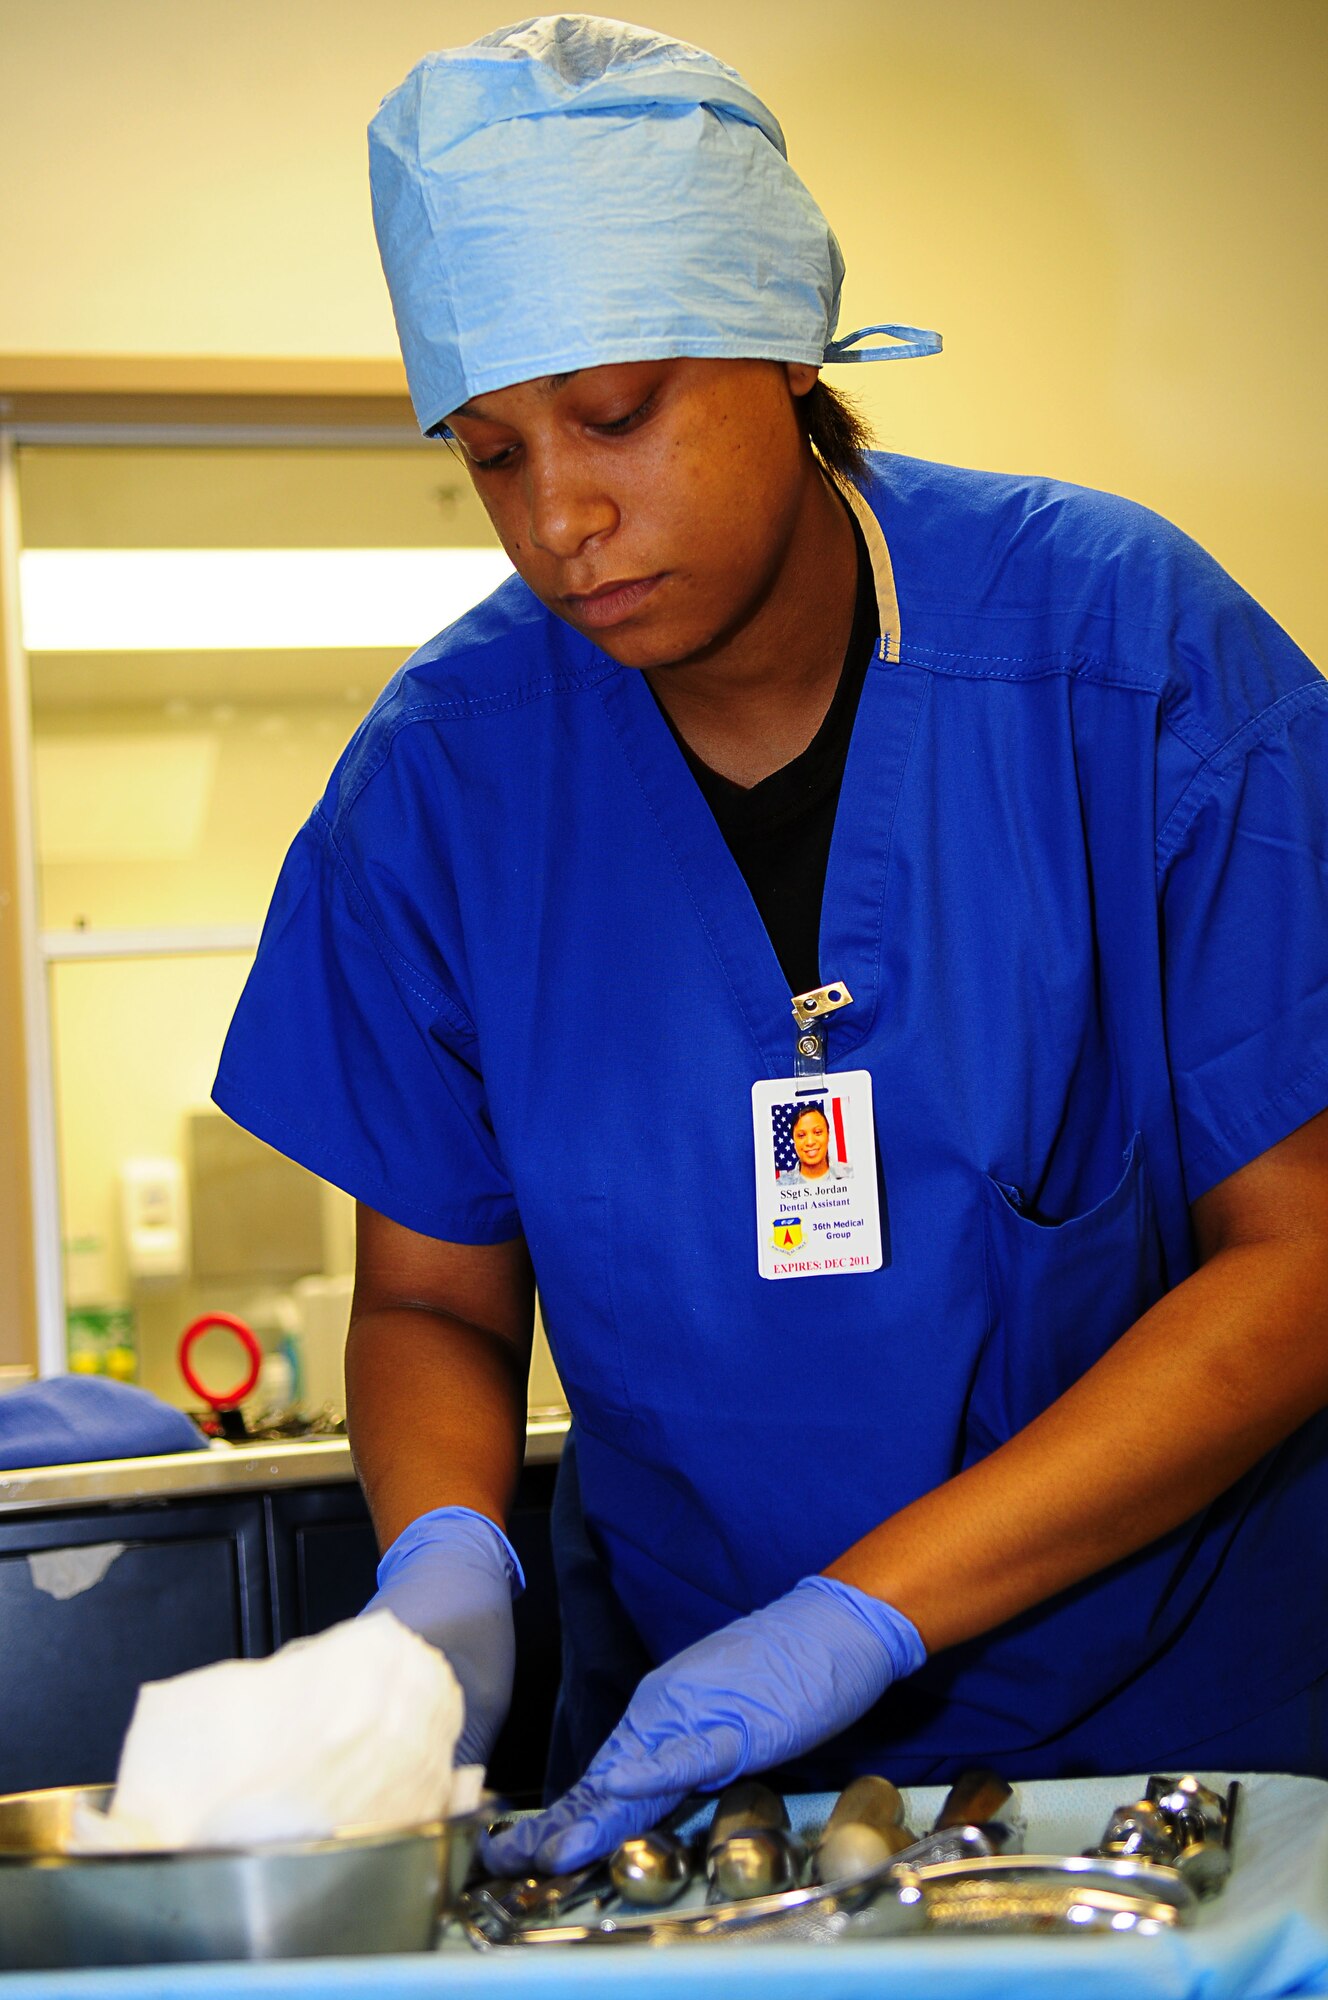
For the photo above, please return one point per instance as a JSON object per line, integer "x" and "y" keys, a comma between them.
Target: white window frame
{"x": 40, "y": 951}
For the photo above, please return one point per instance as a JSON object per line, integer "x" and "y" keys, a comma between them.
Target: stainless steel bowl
{"x": 357, "y": 1893}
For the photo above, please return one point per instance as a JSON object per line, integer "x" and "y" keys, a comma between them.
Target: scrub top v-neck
{"x": 513, "y": 982}
{"x": 852, "y": 901}
{"x": 779, "y": 830}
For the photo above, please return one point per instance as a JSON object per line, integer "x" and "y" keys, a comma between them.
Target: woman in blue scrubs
{"x": 1013, "y": 766}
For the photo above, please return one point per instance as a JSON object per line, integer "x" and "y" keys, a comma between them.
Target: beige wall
{"x": 1114, "y": 215}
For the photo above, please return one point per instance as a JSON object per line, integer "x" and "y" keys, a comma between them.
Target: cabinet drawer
{"x": 179, "y": 1587}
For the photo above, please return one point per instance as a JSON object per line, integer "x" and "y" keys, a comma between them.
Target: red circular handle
{"x": 253, "y": 1354}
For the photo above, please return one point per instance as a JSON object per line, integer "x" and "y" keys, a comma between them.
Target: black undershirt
{"x": 778, "y": 831}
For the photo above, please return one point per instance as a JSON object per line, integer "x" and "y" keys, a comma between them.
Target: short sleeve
{"x": 348, "y": 1059}
{"x": 1244, "y": 885}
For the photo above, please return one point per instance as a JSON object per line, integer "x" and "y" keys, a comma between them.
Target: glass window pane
{"x": 169, "y": 784}
{"x": 161, "y": 1221}
{"x": 178, "y": 811}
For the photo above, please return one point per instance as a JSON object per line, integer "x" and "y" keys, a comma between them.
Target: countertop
{"x": 222, "y": 1468}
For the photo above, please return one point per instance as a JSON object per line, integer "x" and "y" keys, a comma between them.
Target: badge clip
{"x": 809, "y": 1011}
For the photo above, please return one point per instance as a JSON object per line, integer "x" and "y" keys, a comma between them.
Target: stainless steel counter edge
{"x": 223, "y": 1468}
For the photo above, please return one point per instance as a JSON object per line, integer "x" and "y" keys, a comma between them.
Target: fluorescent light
{"x": 231, "y": 600}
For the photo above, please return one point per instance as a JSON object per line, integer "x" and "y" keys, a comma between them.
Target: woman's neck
{"x": 756, "y": 702}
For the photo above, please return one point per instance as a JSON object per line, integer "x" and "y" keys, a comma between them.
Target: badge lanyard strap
{"x": 809, "y": 1012}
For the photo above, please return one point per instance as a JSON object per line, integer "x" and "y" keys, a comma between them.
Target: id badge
{"x": 817, "y": 1208}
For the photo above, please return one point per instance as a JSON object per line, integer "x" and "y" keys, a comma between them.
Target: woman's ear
{"x": 802, "y": 377}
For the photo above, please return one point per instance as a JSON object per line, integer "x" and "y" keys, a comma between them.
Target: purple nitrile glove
{"x": 756, "y": 1692}
{"x": 451, "y": 1576}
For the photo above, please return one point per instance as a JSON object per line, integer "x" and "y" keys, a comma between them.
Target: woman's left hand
{"x": 751, "y": 1695}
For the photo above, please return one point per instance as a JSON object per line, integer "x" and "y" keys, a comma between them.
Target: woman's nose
{"x": 567, "y": 509}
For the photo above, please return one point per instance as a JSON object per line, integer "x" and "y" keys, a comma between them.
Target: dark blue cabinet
{"x": 211, "y": 1579}
{"x": 186, "y": 1584}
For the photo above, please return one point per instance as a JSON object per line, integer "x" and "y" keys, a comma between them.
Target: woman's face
{"x": 811, "y": 1141}
{"x": 651, "y": 504}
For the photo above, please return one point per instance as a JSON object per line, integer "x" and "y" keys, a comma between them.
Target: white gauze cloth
{"x": 356, "y": 1727}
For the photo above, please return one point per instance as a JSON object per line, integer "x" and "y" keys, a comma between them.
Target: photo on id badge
{"x": 818, "y": 1213}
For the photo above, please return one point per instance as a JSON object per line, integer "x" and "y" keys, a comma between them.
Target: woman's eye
{"x": 615, "y": 426}
{"x": 494, "y": 460}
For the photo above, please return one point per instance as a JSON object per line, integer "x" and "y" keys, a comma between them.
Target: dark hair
{"x": 806, "y": 1112}
{"x": 837, "y": 432}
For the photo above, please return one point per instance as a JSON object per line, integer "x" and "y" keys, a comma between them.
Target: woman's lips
{"x": 612, "y": 604}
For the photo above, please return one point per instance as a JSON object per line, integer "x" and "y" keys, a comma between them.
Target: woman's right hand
{"x": 748, "y": 1696}
{"x": 451, "y": 1576}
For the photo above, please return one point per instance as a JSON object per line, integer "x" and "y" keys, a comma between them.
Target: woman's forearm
{"x": 1212, "y": 1377}
{"x": 436, "y": 1415}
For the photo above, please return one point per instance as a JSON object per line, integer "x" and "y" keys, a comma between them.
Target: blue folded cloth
{"x": 72, "y": 1418}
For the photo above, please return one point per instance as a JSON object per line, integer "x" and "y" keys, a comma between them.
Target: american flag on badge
{"x": 783, "y": 1117}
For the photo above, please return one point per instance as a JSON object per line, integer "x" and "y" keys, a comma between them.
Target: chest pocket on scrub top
{"x": 1059, "y": 1294}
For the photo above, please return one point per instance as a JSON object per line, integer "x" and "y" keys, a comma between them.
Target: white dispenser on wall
{"x": 155, "y": 1216}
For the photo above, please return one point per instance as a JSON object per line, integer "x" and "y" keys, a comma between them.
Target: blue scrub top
{"x": 513, "y": 982}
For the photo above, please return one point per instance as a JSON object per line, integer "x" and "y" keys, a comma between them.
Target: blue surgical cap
{"x": 571, "y": 191}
